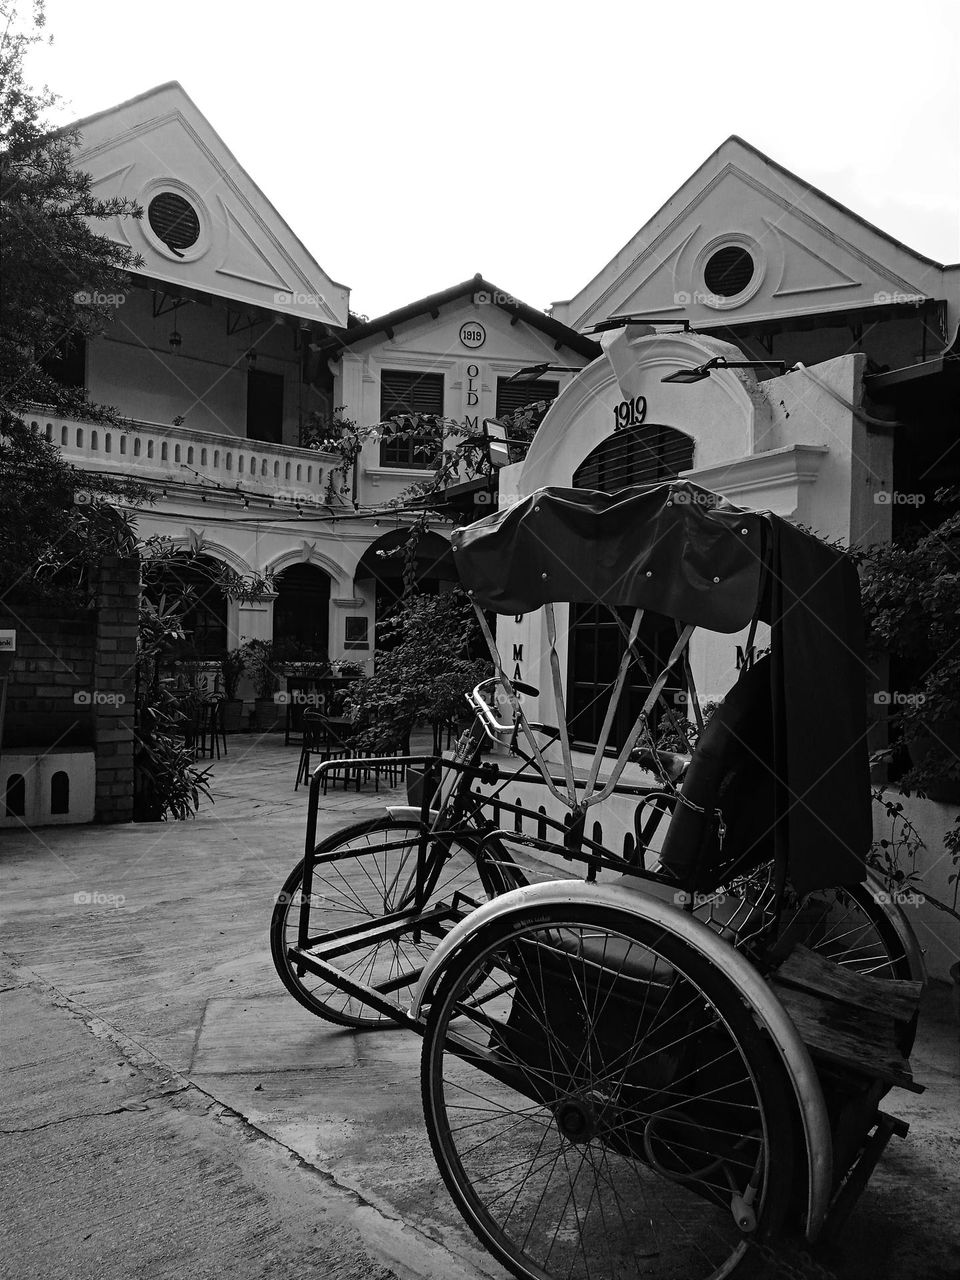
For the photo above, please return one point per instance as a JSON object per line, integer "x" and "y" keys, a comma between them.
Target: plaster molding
{"x": 780, "y": 473}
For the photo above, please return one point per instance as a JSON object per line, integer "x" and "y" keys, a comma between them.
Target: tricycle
{"x": 664, "y": 1058}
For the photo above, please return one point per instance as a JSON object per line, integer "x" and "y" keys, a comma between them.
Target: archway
{"x": 384, "y": 562}
{"x": 301, "y": 611}
{"x": 194, "y": 579}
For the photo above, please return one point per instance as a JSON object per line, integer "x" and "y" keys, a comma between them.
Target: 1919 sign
{"x": 629, "y": 413}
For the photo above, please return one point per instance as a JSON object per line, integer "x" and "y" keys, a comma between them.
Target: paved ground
{"x": 171, "y": 1111}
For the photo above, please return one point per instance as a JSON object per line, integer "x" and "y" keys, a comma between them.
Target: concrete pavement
{"x": 147, "y": 946}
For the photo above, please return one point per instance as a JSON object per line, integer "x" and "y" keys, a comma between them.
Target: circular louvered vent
{"x": 728, "y": 271}
{"x": 174, "y": 221}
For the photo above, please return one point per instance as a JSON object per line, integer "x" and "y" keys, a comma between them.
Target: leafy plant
{"x": 296, "y": 657}
{"x": 258, "y": 656}
{"x": 232, "y": 666}
{"x": 911, "y": 593}
{"x": 425, "y": 673}
{"x": 166, "y": 780}
{"x": 893, "y": 856}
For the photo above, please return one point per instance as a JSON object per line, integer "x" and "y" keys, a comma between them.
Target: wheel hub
{"x": 576, "y": 1119}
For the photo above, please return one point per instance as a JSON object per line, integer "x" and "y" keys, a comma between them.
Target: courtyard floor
{"x": 154, "y": 937}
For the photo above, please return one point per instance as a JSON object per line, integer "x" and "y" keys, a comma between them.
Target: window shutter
{"x": 407, "y": 391}
{"x": 517, "y": 395}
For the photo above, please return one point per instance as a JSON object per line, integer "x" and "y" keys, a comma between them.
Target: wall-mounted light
{"x": 621, "y": 322}
{"x": 701, "y": 371}
{"x": 175, "y": 340}
{"x": 251, "y": 359}
{"x": 535, "y": 371}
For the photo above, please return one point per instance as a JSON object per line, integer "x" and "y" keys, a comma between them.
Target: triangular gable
{"x": 811, "y": 254}
{"x": 479, "y": 297}
{"x": 245, "y": 252}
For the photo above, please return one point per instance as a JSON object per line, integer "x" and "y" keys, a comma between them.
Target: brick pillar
{"x": 115, "y": 683}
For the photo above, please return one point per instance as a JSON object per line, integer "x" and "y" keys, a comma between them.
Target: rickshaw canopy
{"x": 676, "y": 549}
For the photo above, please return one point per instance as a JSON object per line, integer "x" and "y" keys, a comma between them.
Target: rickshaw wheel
{"x": 367, "y": 871}
{"x": 600, "y": 1100}
{"x": 846, "y": 925}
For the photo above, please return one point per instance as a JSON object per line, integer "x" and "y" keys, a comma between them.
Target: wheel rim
{"x": 360, "y": 880}
{"x": 599, "y": 1161}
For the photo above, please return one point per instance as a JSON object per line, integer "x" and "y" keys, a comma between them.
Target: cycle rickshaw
{"x": 666, "y": 1059}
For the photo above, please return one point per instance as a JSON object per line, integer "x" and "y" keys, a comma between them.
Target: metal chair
{"x": 322, "y": 739}
{"x": 210, "y": 733}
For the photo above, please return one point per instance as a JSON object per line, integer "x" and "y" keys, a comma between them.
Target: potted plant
{"x": 232, "y": 666}
{"x": 261, "y": 666}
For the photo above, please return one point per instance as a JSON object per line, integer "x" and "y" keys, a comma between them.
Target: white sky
{"x": 411, "y": 144}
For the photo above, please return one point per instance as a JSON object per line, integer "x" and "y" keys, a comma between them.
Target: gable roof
{"x": 812, "y": 253}
{"x": 159, "y": 141}
{"x": 560, "y": 333}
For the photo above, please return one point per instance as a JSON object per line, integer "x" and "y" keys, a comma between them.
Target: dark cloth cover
{"x": 819, "y": 672}
{"x": 675, "y": 549}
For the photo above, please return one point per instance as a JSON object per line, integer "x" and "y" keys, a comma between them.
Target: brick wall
{"x": 72, "y": 682}
{"x": 53, "y": 662}
{"x": 115, "y": 676}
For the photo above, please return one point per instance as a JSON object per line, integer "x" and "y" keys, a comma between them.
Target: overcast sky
{"x": 412, "y": 144}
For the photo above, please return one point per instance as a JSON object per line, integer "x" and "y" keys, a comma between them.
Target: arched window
{"x": 60, "y": 792}
{"x": 645, "y": 455}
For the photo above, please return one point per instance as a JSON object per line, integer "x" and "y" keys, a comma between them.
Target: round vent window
{"x": 728, "y": 271}
{"x": 174, "y": 221}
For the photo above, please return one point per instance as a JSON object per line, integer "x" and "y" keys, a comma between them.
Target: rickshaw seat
{"x": 730, "y": 772}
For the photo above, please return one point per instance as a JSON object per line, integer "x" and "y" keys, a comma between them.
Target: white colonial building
{"x": 231, "y": 341}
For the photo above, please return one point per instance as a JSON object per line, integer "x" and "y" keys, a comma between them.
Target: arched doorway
{"x": 384, "y": 561}
{"x": 648, "y": 454}
{"x": 193, "y": 580}
{"x": 301, "y": 612}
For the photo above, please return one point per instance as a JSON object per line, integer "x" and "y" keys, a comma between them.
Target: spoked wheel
{"x": 601, "y": 1103}
{"x": 846, "y": 925}
{"x": 363, "y": 873}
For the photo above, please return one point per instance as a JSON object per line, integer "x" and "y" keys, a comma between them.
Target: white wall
{"x": 434, "y": 345}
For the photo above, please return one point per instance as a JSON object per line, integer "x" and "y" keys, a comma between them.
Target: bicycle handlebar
{"x": 484, "y": 710}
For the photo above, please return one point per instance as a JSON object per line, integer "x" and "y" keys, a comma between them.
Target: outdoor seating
{"x": 209, "y": 734}
{"x": 326, "y": 738}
